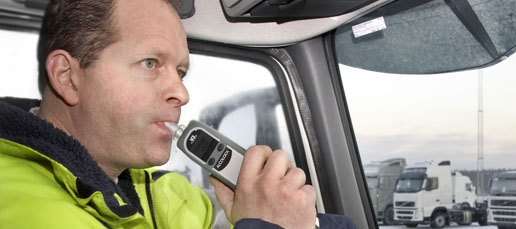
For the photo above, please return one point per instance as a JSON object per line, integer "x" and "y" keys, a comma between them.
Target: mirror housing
{"x": 288, "y": 10}
{"x": 186, "y": 8}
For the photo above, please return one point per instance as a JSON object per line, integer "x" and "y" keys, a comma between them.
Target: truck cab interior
{"x": 295, "y": 75}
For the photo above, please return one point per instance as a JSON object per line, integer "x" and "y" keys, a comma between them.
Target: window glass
{"x": 238, "y": 98}
{"x": 247, "y": 93}
{"x": 434, "y": 118}
{"x": 435, "y": 183}
{"x": 241, "y": 100}
{"x": 18, "y": 64}
{"x": 233, "y": 131}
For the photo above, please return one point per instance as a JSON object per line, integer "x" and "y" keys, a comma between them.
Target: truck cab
{"x": 430, "y": 193}
{"x": 463, "y": 191}
{"x": 381, "y": 180}
{"x": 502, "y": 200}
{"x": 423, "y": 193}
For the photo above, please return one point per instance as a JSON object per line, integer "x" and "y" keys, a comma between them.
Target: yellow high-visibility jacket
{"x": 48, "y": 180}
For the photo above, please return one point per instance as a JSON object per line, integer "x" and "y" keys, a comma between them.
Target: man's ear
{"x": 63, "y": 75}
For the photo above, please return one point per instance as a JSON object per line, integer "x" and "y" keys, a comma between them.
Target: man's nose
{"x": 175, "y": 92}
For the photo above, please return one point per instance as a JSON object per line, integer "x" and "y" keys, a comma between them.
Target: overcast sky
{"x": 420, "y": 118}
{"x": 434, "y": 117}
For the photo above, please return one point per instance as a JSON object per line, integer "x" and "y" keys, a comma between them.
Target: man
{"x": 111, "y": 75}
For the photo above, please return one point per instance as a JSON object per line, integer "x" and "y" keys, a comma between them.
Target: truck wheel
{"x": 439, "y": 220}
{"x": 483, "y": 220}
{"x": 411, "y": 225}
{"x": 388, "y": 216}
{"x": 466, "y": 218}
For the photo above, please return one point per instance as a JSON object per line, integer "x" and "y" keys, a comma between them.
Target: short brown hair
{"x": 83, "y": 28}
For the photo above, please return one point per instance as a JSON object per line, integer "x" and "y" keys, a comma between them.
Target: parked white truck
{"x": 429, "y": 193}
{"x": 381, "y": 180}
{"x": 502, "y": 200}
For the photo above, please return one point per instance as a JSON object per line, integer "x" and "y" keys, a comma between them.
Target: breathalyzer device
{"x": 210, "y": 149}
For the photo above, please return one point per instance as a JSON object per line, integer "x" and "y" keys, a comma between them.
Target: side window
{"x": 435, "y": 183}
{"x": 468, "y": 187}
{"x": 238, "y": 98}
{"x": 18, "y": 65}
{"x": 431, "y": 183}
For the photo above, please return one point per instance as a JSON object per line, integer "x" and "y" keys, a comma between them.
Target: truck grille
{"x": 404, "y": 204}
{"x": 405, "y": 217}
{"x": 512, "y": 213}
{"x": 503, "y": 203}
{"x": 500, "y": 219}
{"x": 404, "y": 212}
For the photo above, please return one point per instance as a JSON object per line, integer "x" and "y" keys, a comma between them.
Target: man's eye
{"x": 181, "y": 73}
{"x": 149, "y": 63}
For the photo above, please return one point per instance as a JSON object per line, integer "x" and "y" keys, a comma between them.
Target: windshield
{"x": 503, "y": 186}
{"x": 409, "y": 185}
{"x": 372, "y": 182}
{"x": 410, "y": 96}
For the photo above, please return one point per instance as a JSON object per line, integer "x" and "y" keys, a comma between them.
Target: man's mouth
{"x": 162, "y": 126}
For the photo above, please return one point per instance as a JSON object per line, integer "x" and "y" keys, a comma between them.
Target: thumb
{"x": 224, "y": 195}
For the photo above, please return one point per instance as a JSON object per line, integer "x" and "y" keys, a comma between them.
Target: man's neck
{"x": 56, "y": 112}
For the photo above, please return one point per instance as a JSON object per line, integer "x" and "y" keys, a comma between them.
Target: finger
{"x": 277, "y": 165}
{"x": 224, "y": 195}
{"x": 310, "y": 193}
{"x": 295, "y": 177}
{"x": 254, "y": 159}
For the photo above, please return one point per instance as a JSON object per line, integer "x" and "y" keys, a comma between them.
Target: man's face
{"x": 134, "y": 86}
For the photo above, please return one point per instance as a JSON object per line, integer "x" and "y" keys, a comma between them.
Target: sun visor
{"x": 287, "y": 10}
{"x": 28, "y": 14}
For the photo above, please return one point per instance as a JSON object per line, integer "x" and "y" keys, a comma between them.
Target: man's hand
{"x": 270, "y": 189}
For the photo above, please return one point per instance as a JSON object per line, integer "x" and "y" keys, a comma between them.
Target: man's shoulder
{"x": 28, "y": 176}
{"x": 30, "y": 195}
{"x": 24, "y": 175}
{"x": 23, "y": 210}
